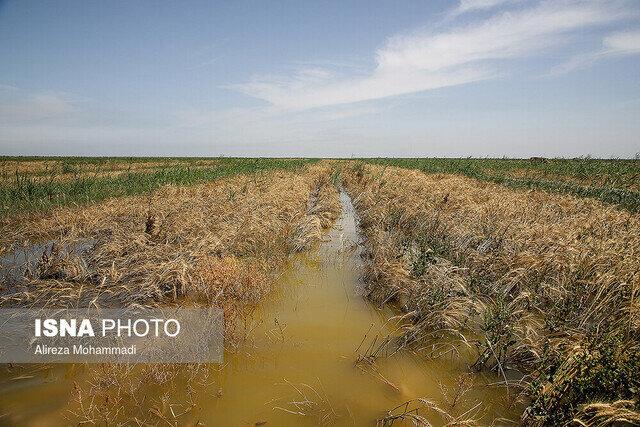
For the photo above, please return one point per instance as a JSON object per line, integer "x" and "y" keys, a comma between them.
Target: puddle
{"x": 14, "y": 264}
{"x": 297, "y": 364}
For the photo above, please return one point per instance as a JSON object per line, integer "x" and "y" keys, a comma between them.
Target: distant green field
{"x": 611, "y": 181}
{"x": 38, "y": 184}
{"x": 31, "y": 184}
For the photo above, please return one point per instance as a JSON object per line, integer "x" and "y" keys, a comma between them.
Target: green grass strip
{"x": 24, "y": 194}
{"x": 614, "y": 170}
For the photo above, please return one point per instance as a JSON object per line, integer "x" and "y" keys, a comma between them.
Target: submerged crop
{"x": 543, "y": 287}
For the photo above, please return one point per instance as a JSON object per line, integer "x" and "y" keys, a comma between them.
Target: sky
{"x": 481, "y": 78}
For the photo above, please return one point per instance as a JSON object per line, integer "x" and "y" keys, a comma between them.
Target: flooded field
{"x": 298, "y": 367}
{"x": 296, "y": 364}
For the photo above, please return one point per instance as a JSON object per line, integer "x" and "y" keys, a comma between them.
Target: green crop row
{"x": 23, "y": 193}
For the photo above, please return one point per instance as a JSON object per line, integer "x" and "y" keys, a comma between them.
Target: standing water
{"x": 297, "y": 365}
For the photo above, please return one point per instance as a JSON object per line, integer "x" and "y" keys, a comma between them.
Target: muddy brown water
{"x": 296, "y": 365}
{"x": 16, "y": 263}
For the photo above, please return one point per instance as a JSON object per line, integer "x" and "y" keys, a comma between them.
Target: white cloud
{"x": 473, "y": 5}
{"x": 38, "y": 106}
{"x": 623, "y": 43}
{"x": 299, "y": 92}
{"x": 426, "y": 60}
{"x": 7, "y": 88}
{"x": 507, "y": 35}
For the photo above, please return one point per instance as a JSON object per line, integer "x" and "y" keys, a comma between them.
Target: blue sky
{"x": 513, "y": 78}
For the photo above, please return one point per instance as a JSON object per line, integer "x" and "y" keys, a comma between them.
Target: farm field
{"x": 537, "y": 282}
{"x": 361, "y": 292}
{"x": 361, "y": 213}
{"x": 38, "y": 184}
{"x": 615, "y": 181}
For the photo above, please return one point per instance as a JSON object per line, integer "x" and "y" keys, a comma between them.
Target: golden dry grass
{"x": 220, "y": 243}
{"x": 631, "y": 183}
{"x": 203, "y": 241}
{"x": 621, "y": 412}
{"x": 11, "y": 167}
{"x": 549, "y": 283}
{"x": 98, "y": 171}
{"x": 62, "y": 168}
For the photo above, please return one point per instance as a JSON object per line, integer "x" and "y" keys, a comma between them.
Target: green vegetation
{"x": 25, "y": 193}
{"x": 31, "y": 184}
{"x": 102, "y": 160}
{"x": 613, "y": 181}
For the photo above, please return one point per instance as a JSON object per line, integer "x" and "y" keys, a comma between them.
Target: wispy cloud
{"x": 466, "y": 6}
{"x": 7, "y": 88}
{"x": 302, "y": 92}
{"x": 618, "y": 44}
{"x": 35, "y": 106}
{"x": 426, "y": 60}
